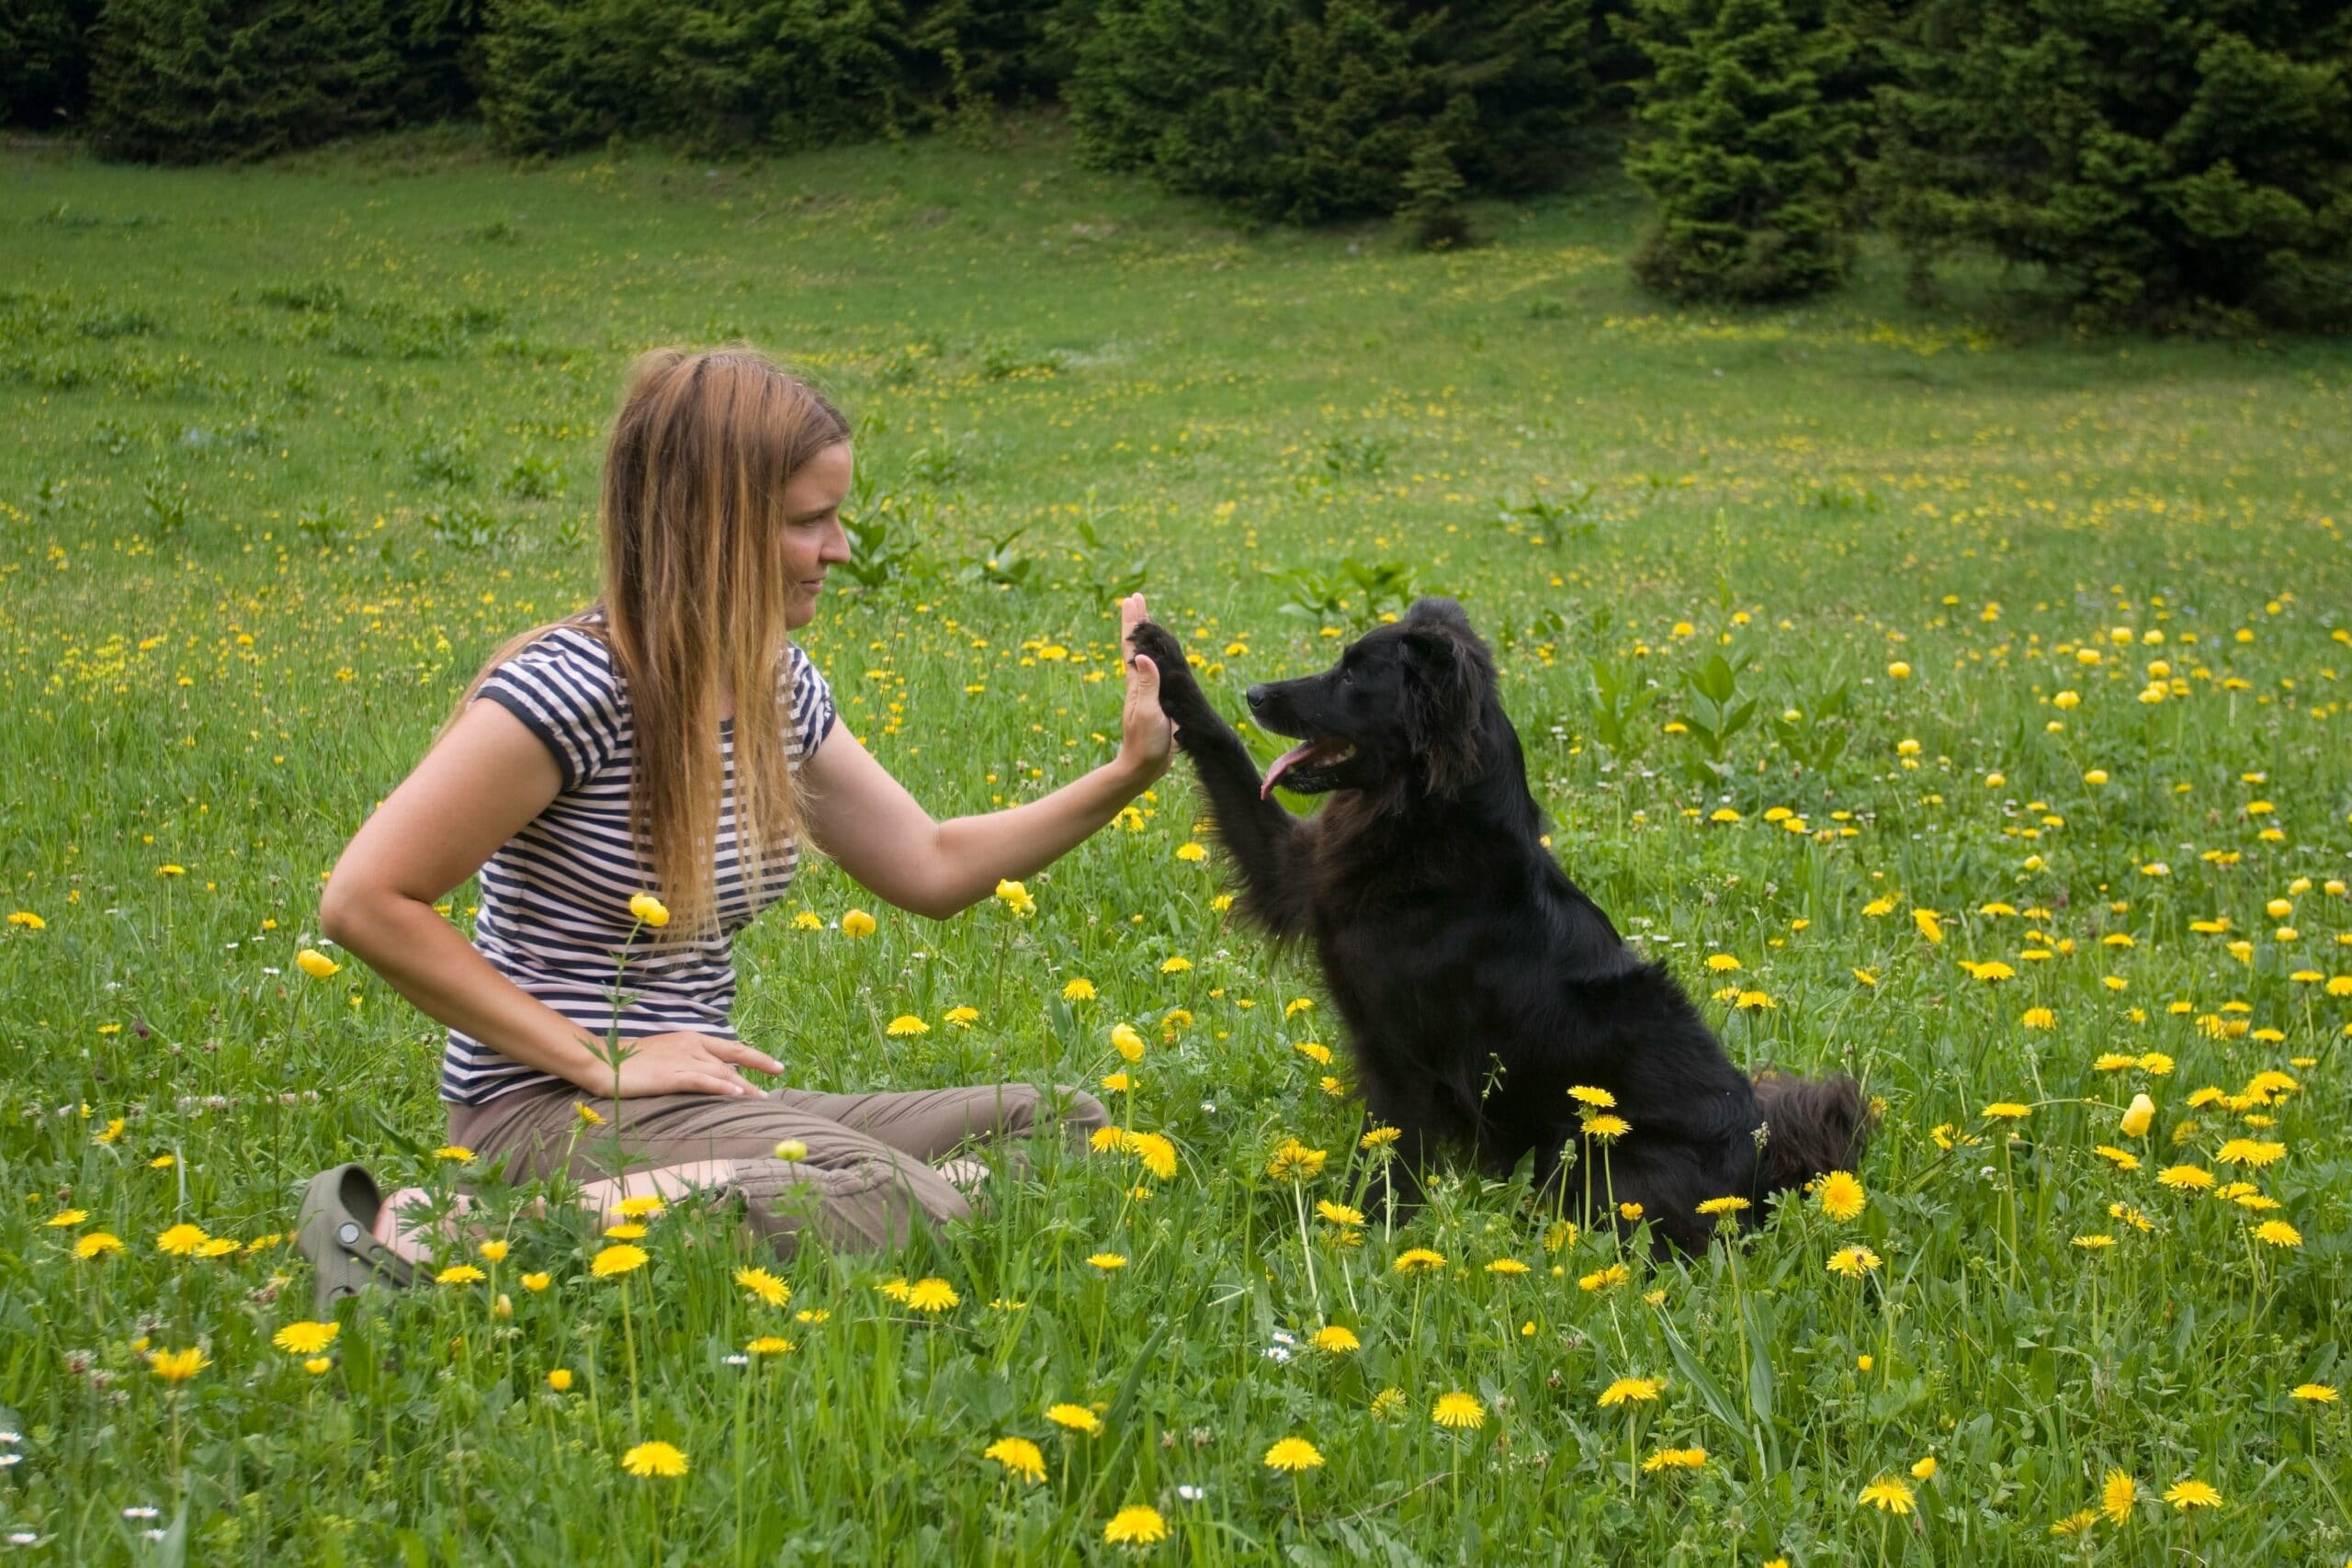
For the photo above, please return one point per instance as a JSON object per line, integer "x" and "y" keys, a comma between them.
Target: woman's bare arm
{"x": 476, "y": 789}
{"x": 874, "y": 831}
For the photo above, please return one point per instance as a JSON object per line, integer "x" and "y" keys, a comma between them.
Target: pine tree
{"x": 2164, "y": 166}
{"x": 45, "y": 60}
{"x": 185, "y": 81}
{"x": 1309, "y": 109}
{"x": 1742, "y": 154}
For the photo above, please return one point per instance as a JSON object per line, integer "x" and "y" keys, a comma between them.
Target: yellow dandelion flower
{"x": 1841, "y": 1195}
{"x": 1459, "y": 1412}
{"x": 1631, "y": 1391}
{"x": 1853, "y": 1262}
{"x": 1019, "y": 1456}
{"x": 619, "y": 1259}
{"x": 654, "y": 1459}
{"x": 1076, "y": 1417}
{"x": 2116, "y": 1495}
{"x": 305, "y": 1338}
{"x": 2279, "y": 1233}
{"x": 906, "y": 1023}
{"x": 2191, "y": 1493}
{"x": 764, "y": 1285}
{"x": 1674, "y": 1459}
{"x": 1138, "y": 1524}
{"x": 177, "y": 1366}
{"x": 1079, "y": 991}
{"x": 1418, "y": 1259}
{"x": 933, "y": 1294}
{"x": 1335, "y": 1339}
{"x": 181, "y": 1240}
{"x": 1292, "y": 1455}
{"x": 1888, "y": 1494}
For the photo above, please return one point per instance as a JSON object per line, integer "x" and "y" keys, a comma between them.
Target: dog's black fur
{"x": 1477, "y": 981}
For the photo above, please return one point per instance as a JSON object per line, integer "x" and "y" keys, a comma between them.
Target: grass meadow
{"x": 1962, "y": 710}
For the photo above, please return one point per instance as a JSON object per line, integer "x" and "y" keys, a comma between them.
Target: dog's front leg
{"x": 1264, "y": 839}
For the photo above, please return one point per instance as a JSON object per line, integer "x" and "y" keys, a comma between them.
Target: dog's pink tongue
{"x": 1284, "y": 763}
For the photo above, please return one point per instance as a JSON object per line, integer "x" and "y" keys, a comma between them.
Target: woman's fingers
{"x": 743, "y": 1056}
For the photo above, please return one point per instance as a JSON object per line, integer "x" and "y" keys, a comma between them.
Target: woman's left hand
{"x": 1146, "y": 737}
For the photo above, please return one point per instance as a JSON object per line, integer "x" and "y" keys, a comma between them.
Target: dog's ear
{"x": 1447, "y": 678}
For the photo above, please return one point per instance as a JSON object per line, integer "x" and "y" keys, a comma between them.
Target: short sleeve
{"x": 565, "y": 691}
{"x": 812, "y": 706}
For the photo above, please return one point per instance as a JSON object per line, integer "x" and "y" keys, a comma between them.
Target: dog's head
{"x": 1407, "y": 703}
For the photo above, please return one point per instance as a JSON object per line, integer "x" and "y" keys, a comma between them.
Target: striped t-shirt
{"x": 554, "y": 912}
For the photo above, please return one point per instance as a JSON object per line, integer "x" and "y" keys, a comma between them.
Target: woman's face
{"x": 813, "y": 540}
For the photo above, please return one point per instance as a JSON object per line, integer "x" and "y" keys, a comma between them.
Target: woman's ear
{"x": 1448, "y": 677}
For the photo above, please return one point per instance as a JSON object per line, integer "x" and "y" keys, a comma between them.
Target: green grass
{"x": 295, "y": 445}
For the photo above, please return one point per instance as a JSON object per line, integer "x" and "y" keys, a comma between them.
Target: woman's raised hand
{"x": 686, "y": 1062}
{"x": 1146, "y": 738}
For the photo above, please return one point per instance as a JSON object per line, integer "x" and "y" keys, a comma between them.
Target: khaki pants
{"x": 868, "y": 1180}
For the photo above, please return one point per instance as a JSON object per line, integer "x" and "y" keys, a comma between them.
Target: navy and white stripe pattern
{"x": 554, "y": 916}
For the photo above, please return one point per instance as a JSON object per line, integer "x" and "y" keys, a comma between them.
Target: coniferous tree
{"x": 45, "y": 60}
{"x": 1741, "y": 151}
{"x": 186, "y": 81}
{"x": 1309, "y": 109}
{"x": 2162, "y": 166}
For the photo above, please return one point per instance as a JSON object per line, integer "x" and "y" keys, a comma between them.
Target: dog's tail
{"x": 1811, "y": 1126}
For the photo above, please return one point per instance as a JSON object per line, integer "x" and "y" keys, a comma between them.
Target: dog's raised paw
{"x": 1178, "y": 690}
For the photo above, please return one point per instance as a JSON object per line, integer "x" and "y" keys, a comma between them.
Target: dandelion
{"x": 1930, "y": 924}
{"x": 560, "y": 1379}
{"x": 1631, "y": 1391}
{"x": 1604, "y": 1279}
{"x": 2249, "y": 1151}
{"x": 177, "y": 1366}
{"x": 1715, "y": 1206}
{"x": 1418, "y": 1259}
{"x": 2313, "y": 1393}
{"x": 764, "y": 1286}
{"x": 2116, "y": 1495}
{"x": 1853, "y": 1262}
{"x": 619, "y": 1259}
{"x": 1338, "y": 1214}
{"x": 1018, "y": 1455}
{"x": 770, "y": 1345}
{"x": 2191, "y": 1493}
{"x": 2185, "y": 1178}
{"x": 906, "y": 1023}
{"x": 1079, "y": 991}
{"x": 2007, "y": 1111}
{"x": 932, "y": 1294}
{"x": 1458, "y": 1412}
{"x": 1599, "y": 1098}
{"x": 588, "y": 1115}
{"x": 467, "y": 1274}
{"x": 1606, "y": 1128}
{"x": 65, "y": 1218}
{"x": 1507, "y": 1266}
{"x": 1157, "y": 1155}
{"x": 654, "y": 1459}
{"x": 305, "y": 1338}
{"x": 1674, "y": 1459}
{"x": 1296, "y": 1162}
{"x": 1109, "y": 1262}
{"x": 1292, "y": 1455}
{"x": 1077, "y": 1417}
{"x": 1720, "y": 962}
{"x": 28, "y": 919}
{"x": 649, "y": 910}
{"x": 2122, "y": 1160}
{"x": 316, "y": 965}
{"x": 1888, "y": 1495}
{"x": 1841, "y": 1195}
{"x": 1138, "y": 1524}
{"x": 97, "y": 1243}
{"x": 1379, "y": 1138}
{"x": 1338, "y": 1341}
{"x": 961, "y": 1016}
{"x": 1175, "y": 965}
{"x": 454, "y": 1154}
{"x": 181, "y": 1240}
{"x": 2279, "y": 1233}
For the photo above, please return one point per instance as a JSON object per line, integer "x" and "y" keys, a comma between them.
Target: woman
{"x": 672, "y": 740}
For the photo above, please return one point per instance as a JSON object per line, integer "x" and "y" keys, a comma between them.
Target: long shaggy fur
{"x": 1478, "y": 983}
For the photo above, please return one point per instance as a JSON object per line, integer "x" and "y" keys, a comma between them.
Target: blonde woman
{"x": 672, "y": 740}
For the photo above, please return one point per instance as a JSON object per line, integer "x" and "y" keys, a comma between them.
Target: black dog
{"x": 1477, "y": 981}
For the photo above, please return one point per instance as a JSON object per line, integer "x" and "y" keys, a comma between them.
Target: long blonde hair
{"x": 693, "y": 605}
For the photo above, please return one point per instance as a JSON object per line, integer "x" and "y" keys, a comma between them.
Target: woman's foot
{"x": 413, "y": 1238}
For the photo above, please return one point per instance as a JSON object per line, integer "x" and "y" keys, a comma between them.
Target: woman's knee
{"x": 1081, "y": 1114}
